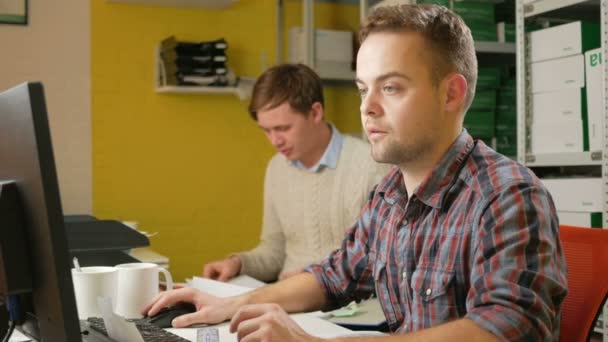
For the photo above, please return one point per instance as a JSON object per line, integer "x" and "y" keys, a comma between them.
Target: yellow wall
{"x": 189, "y": 167}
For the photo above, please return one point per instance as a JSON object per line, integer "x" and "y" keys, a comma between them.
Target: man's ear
{"x": 317, "y": 112}
{"x": 456, "y": 86}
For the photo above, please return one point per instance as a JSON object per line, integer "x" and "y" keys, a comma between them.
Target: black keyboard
{"x": 149, "y": 332}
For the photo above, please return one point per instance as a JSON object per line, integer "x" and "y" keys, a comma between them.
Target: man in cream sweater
{"x": 315, "y": 186}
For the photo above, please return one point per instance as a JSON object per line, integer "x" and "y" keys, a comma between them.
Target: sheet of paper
{"x": 118, "y": 328}
{"x": 368, "y": 314}
{"x": 18, "y": 336}
{"x": 246, "y": 281}
{"x": 218, "y": 288}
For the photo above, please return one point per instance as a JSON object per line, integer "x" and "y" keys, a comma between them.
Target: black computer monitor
{"x": 26, "y": 157}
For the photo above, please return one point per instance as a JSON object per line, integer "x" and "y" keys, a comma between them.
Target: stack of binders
{"x": 195, "y": 64}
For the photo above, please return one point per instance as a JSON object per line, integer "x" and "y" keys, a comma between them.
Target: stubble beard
{"x": 399, "y": 153}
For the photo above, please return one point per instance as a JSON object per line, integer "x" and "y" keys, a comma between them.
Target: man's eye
{"x": 389, "y": 89}
{"x": 362, "y": 92}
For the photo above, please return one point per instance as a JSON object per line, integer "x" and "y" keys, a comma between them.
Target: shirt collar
{"x": 433, "y": 189}
{"x": 331, "y": 155}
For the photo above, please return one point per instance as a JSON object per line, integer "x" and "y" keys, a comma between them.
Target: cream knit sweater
{"x": 306, "y": 214}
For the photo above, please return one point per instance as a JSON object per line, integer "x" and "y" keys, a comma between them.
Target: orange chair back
{"x": 586, "y": 251}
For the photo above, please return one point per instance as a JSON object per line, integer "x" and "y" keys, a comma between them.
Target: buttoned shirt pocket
{"x": 432, "y": 297}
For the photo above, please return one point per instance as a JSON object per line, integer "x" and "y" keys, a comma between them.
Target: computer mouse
{"x": 165, "y": 316}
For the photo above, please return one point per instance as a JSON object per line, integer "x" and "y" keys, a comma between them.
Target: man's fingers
{"x": 145, "y": 310}
{"x": 168, "y": 299}
{"x": 223, "y": 275}
{"x": 189, "y": 319}
{"x": 247, "y": 328}
{"x": 248, "y": 312}
{"x": 210, "y": 273}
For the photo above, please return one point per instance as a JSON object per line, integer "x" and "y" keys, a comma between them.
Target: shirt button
{"x": 405, "y": 222}
{"x": 404, "y": 275}
{"x": 429, "y": 291}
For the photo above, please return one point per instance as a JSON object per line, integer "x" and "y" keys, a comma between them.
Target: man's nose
{"x": 370, "y": 105}
{"x": 276, "y": 139}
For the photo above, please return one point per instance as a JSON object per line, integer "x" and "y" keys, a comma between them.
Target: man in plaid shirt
{"x": 458, "y": 241}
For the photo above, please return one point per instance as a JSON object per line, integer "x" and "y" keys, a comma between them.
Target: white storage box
{"x": 576, "y": 194}
{"x": 595, "y": 98}
{"x": 557, "y": 137}
{"x": 558, "y": 74}
{"x": 330, "y": 45}
{"x": 561, "y": 105}
{"x": 580, "y": 219}
{"x": 563, "y": 40}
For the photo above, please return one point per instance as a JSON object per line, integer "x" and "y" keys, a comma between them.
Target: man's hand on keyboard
{"x": 209, "y": 309}
{"x": 267, "y": 322}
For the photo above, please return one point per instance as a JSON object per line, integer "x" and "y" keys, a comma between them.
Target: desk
{"x": 311, "y": 324}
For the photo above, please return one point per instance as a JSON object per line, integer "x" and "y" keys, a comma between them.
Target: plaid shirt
{"x": 478, "y": 239}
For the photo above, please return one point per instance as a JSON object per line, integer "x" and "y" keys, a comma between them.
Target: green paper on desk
{"x": 347, "y": 311}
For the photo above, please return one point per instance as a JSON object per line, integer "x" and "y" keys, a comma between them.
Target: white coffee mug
{"x": 137, "y": 286}
{"x": 91, "y": 283}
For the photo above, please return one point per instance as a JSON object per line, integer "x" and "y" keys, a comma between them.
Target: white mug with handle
{"x": 91, "y": 283}
{"x": 137, "y": 286}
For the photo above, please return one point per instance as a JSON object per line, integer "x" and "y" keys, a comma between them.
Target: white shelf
{"x": 564, "y": 159}
{"x": 543, "y": 6}
{"x": 212, "y": 4}
{"x": 242, "y": 90}
{"x": 495, "y": 47}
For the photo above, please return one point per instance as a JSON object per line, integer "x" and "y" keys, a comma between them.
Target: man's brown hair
{"x": 296, "y": 84}
{"x": 448, "y": 37}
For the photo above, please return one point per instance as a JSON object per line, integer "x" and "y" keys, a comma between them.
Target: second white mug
{"x": 137, "y": 285}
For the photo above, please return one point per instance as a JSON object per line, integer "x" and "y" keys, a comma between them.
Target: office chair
{"x": 586, "y": 251}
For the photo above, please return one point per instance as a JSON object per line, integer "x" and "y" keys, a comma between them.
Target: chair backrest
{"x": 586, "y": 251}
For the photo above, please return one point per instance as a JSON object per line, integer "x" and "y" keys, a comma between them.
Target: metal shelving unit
{"x": 495, "y": 49}
{"x": 564, "y": 159}
{"x": 567, "y": 10}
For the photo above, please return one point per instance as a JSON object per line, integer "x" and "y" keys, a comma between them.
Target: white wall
{"x": 55, "y": 48}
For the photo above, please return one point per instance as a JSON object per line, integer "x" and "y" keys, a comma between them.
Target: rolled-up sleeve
{"x": 518, "y": 271}
{"x": 346, "y": 273}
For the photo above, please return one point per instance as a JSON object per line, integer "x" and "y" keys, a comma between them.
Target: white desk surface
{"x": 312, "y": 325}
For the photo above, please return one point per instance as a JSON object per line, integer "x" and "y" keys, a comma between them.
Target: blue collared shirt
{"x": 330, "y": 156}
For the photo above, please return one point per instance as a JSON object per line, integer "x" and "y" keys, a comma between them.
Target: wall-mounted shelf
{"x": 243, "y": 89}
{"x": 211, "y": 4}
